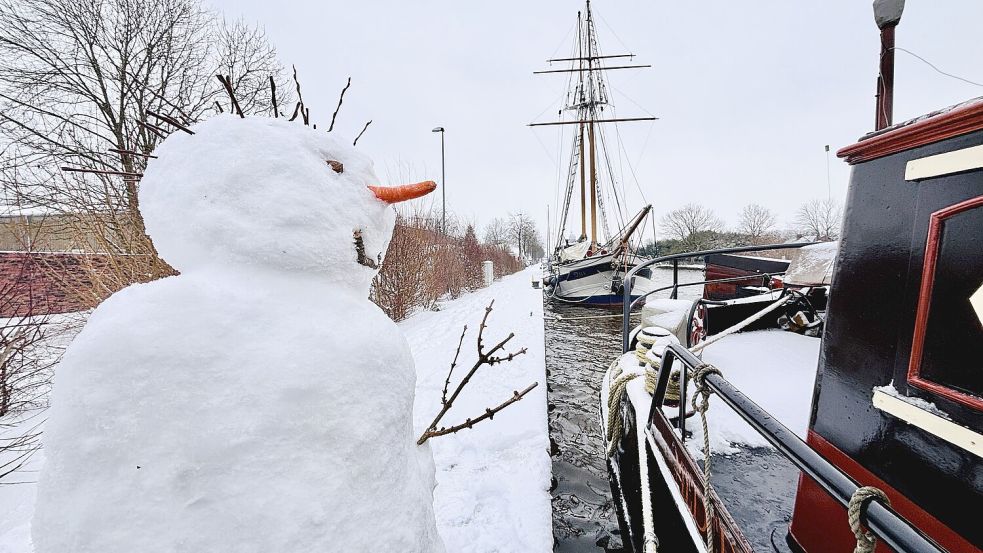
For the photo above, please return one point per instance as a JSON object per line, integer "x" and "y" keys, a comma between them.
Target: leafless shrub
{"x": 423, "y": 265}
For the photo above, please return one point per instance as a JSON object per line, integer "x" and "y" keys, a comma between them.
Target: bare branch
{"x": 447, "y": 382}
{"x": 469, "y": 423}
{"x": 170, "y": 120}
{"x": 361, "y": 133}
{"x": 340, "y": 100}
{"x": 227, "y": 83}
{"x": 483, "y": 359}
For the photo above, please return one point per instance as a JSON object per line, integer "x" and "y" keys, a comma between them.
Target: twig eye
{"x": 336, "y": 165}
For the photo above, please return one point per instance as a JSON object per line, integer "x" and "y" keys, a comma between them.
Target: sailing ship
{"x": 893, "y": 445}
{"x": 589, "y": 268}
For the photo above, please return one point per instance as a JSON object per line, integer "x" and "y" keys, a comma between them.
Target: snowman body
{"x": 257, "y": 401}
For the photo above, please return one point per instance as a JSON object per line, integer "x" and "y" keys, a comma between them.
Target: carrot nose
{"x": 403, "y": 192}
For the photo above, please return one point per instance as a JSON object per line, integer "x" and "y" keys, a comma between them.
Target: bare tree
{"x": 250, "y": 60}
{"x": 80, "y": 82}
{"x": 521, "y": 228}
{"x": 819, "y": 219}
{"x": 79, "y": 78}
{"x": 497, "y": 232}
{"x": 690, "y": 222}
{"x": 756, "y": 221}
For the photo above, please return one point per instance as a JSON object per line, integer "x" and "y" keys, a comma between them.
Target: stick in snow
{"x": 484, "y": 358}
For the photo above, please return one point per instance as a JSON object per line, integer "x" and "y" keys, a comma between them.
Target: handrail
{"x": 627, "y": 304}
{"x": 635, "y": 301}
{"x": 896, "y": 531}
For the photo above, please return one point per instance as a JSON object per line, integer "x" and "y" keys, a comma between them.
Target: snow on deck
{"x": 493, "y": 480}
{"x": 774, "y": 368}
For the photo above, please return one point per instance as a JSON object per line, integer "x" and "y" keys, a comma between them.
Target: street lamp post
{"x": 443, "y": 183}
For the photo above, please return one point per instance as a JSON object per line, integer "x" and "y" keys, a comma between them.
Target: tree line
{"x": 695, "y": 227}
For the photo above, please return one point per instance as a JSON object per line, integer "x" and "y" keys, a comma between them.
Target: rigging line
{"x": 614, "y": 189}
{"x": 558, "y": 100}
{"x": 621, "y": 156}
{"x": 930, "y": 64}
{"x": 563, "y": 40}
{"x": 629, "y": 98}
{"x": 621, "y": 214}
{"x": 545, "y": 149}
{"x": 616, "y": 37}
{"x": 635, "y": 177}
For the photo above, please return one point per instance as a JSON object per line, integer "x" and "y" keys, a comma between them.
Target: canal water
{"x": 578, "y": 351}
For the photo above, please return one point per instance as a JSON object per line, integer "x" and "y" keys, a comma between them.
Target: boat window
{"x": 644, "y": 273}
{"x": 947, "y": 354}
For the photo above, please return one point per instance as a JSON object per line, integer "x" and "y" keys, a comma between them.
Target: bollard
{"x": 488, "y": 269}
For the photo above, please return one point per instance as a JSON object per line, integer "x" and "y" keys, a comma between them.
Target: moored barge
{"x": 892, "y": 458}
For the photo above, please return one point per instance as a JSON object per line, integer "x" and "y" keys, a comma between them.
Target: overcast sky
{"x": 748, "y": 93}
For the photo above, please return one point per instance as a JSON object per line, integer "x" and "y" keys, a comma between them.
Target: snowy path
{"x": 493, "y": 480}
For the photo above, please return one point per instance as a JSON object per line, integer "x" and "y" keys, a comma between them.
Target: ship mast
{"x": 587, "y": 97}
{"x": 583, "y": 176}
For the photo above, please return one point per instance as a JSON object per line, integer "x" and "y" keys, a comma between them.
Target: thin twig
{"x": 488, "y": 414}
{"x": 483, "y": 359}
{"x": 340, "y": 100}
{"x": 227, "y": 83}
{"x": 276, "y": 112}
{"x": 101, "y": 172}
{"x": 361, "y": 133}
{"x": 443, "y": 395}
{"x": 161, "y": 133}
{"x": 131, "y": 153}
{"x": 300, "y": 100}
{"x": 170, "y": 120}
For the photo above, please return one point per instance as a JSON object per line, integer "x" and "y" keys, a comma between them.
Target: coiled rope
{"x": 857, "y": 510}
{"x": 701, "y": 404}
{"x": 619, "y": 380}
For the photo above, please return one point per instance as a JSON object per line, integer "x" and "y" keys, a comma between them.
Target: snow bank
{"x": 493, "y": 480}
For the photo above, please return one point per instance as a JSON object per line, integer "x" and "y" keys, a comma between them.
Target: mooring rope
{"x": 701, "y": 404}
{"x": 741, "y": 325}
{"x": 618, "y": 385}
{"x": 857, "y": 510}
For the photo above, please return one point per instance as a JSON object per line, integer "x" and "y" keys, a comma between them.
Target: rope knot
{"x": 857, "y": 511}
{"x": 701, "y": 392}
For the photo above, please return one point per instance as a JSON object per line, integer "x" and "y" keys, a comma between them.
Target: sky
{"x": 747, "y": 93}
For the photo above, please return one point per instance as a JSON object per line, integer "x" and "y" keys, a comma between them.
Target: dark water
{"x": 578, "y": 353}
{"x": 584, "y": 517}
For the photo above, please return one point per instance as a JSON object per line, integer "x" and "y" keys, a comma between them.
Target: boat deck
{"x": 777, "y": 370}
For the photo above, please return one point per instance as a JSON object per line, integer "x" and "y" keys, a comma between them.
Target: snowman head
{"x": 269, "y": 194}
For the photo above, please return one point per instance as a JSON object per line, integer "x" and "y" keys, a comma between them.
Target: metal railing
{"x": 628, "y": 304}
{"x": 896, "y": 532}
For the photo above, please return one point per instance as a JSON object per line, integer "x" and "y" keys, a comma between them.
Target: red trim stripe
{"x": 819, "y": 522}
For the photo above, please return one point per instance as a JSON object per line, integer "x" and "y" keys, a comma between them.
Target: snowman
{"x": 256, "y": 402}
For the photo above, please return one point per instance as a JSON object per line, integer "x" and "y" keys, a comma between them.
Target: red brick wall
{"x": 46, "y": 283}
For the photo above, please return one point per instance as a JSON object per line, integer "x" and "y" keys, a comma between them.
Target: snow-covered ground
{"x": 493, "y": 480}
